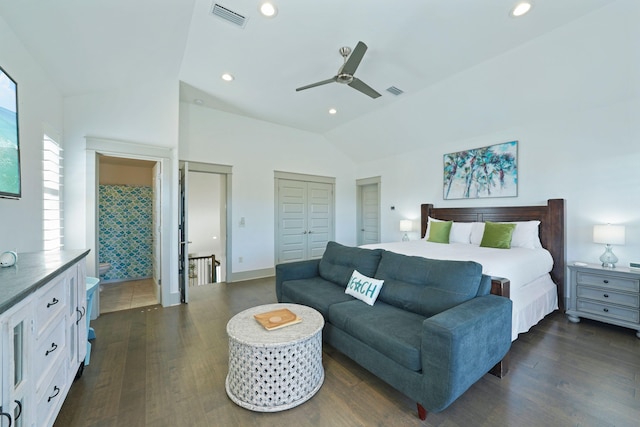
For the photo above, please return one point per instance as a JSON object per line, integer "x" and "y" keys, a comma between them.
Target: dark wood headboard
{"x": 552, "y": 228}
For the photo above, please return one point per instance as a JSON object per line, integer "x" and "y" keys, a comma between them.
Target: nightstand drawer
{"x": 609, "y": 297}
{"x": 609, "y": 281}
{"x": 626, "y": 314}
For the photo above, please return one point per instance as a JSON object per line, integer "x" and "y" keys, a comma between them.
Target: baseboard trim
{"x": 252, "y": 274}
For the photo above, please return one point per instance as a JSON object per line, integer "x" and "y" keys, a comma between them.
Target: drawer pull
{"x": 80, "y": 314}
{"x": 606, "y": 310}
{"x": 606, "y": 295}
{"x": 54, "y": 346}
{"x": 19, "y": 409}
{"x": 4, "y": 414}
{"x": 56, "y": 391}
{"x": 53, "y": 302}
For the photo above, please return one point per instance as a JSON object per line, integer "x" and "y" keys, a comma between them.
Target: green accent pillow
{"x": 439, "y": 231}
{"x": 497, "y": 235}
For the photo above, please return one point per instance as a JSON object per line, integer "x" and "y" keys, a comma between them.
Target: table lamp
{"x": 406, "y": 225}
{"x": 609, "y": 235}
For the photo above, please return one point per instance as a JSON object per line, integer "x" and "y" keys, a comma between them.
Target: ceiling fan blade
{"x": 324, "y": 82}
{"x": 358, "y": 84}
{"x": 354, "y": 59}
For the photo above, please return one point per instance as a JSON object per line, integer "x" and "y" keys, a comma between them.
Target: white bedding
{"x": 533, "y": 293}
{"x": 519, "y": 265}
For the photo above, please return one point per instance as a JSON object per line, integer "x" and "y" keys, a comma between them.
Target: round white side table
{"x": 274, "y": 370}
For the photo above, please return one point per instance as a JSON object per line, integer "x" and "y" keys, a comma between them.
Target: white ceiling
{"x": 88, "y": 46}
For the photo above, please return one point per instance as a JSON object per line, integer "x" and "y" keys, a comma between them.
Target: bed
{"x": 532, "y": 277}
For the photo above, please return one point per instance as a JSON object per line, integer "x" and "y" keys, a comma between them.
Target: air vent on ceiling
{"x": 394, "y": 90}
{"x": 228, "y": 15}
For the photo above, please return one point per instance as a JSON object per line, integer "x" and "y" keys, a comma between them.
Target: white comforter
{"x": 519, "y": 265}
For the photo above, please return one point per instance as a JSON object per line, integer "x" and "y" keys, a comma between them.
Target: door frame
{"x": 375, "y": 180}
{"x": 227, "y": 171}
{"x": 95, "y": 146}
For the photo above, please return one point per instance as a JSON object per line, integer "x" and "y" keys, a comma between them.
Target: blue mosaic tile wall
{"x": 125, "y": 231}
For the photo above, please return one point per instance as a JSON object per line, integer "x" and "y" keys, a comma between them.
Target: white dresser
{"x": 43, "y": 335}
{"x": 610, "y": 295}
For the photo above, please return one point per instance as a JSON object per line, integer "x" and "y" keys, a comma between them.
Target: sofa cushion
{"x": 391, "y": 331}
{"x": 338, "y": 262}
{"x": 314, "y": 292}
{"x": 426, "y": 286}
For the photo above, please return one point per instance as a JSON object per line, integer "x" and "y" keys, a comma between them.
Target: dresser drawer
{"x": 607, "y": 310}
{"x": 51, "y": 300}
{"x": 50, "y": 348}
{"x": 609, "y": 281}
{"x": 608, "y": 296}
{"x": 49, "y": 399}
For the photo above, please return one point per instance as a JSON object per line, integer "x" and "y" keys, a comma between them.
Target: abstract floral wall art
{"x": 482, "y": 172}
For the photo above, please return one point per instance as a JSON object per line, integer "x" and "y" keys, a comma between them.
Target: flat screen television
{"x": 10, "y": 184}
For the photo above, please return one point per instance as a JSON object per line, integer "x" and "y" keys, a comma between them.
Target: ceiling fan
{"x": 345, "y": 73}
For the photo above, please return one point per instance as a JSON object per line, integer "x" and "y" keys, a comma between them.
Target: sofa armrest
{"x": 462, "y": 344}
{"x": 293, "y": 271}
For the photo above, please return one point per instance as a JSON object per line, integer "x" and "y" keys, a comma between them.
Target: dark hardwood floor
{"x": 167, "y": 367}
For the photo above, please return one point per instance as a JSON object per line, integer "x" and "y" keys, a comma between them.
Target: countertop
{"x": 33, "y": 270}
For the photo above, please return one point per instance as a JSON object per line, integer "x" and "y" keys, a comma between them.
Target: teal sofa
{"x": 433, "y": 331}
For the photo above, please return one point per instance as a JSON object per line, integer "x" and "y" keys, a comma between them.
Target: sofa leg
{"x": 501, "y": 368}
{"x": 422, "y": 413}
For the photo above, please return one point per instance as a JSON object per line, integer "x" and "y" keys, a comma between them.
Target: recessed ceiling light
{"x": 521, "y": 9}
{"x": 268, "y": 9}
{"x": 332, "y": 111}
{"x": 227, "y": 77}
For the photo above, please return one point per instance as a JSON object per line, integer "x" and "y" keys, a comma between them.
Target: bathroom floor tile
{"x": 127, "y": 295}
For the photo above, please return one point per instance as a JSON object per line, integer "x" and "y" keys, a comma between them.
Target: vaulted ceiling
{"x": 88, "y": 46}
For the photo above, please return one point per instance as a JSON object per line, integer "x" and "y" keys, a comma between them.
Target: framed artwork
{"x": 10, "y": 185}
{"x": 482, "y": 172}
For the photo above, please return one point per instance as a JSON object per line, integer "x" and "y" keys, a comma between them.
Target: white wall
{"x": 256, "y": 149}
{"x": 142, "y": 116}
{"x": 574, "y": 111}
{"x": 145, "y": 114}
{"x": 39, "y": 110}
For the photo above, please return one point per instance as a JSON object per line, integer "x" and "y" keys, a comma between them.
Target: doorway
{"x": 205, "y": 200}
{"x": 128, "y": 233}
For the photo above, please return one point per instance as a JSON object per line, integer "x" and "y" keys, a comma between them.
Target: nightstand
{"x": 610, "y": 295}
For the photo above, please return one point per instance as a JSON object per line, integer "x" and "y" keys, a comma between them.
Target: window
{"x": 52, "y": 194}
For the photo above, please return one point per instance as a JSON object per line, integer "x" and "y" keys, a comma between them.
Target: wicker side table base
{"x": 275, "y": 377}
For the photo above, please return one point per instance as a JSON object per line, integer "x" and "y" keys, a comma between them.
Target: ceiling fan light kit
{"x": 345, "y": 73}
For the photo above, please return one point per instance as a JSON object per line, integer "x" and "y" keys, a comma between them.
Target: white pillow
{"x": 363, "y": 288}
{"x": 525, "y": 235}
{"x": 460, "y": 232}
{"x": 477, "y": 230}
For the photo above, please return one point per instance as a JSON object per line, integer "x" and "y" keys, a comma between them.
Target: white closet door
{"x": 320, "y": 221}
{"x": 292, "y": 221}
{"x": 370, "y": 214}
{"x": 305, "y": 218}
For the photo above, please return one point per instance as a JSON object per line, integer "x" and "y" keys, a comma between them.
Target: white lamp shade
{"x": 406, "y": 225}
{"x": 608, "y": 234}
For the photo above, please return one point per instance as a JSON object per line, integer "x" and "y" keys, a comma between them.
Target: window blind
{"x": 52, "y": 195}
